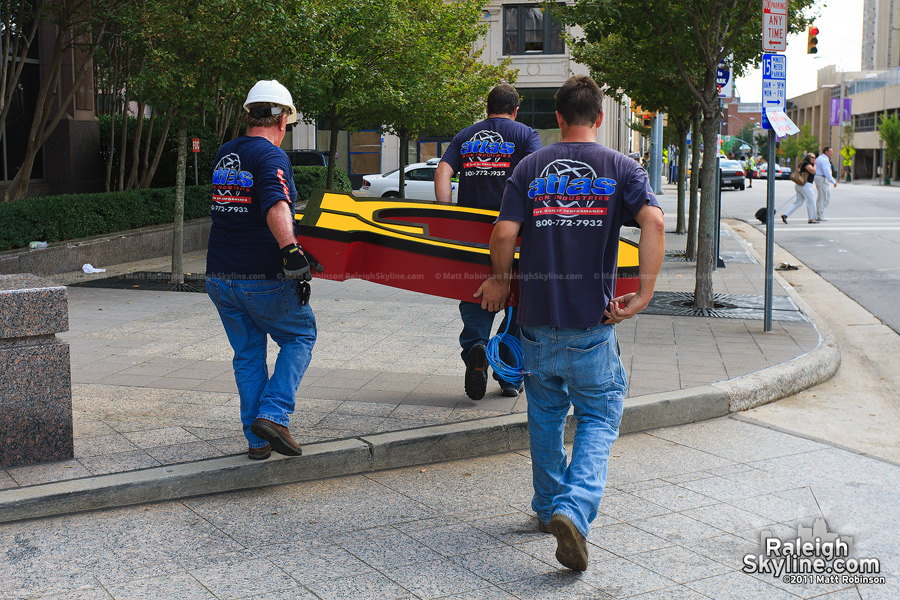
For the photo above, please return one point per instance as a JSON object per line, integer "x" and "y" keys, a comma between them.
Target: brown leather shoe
{"x": 260, "y": 453}
{"x": 544, "y": 527}
{"x": 571, "y": 547}
{"x": 277, "y": 435}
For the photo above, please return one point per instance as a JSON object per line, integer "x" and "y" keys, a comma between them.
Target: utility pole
{"x": 656, "y": 138}
{"x": 840, "y": 157}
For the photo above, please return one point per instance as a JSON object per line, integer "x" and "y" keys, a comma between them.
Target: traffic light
{"x": 811, "y": 40}
{"x": 647, "y": 119}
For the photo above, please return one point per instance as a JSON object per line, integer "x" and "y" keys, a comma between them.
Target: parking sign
{"x": 774, "y": 23}
{"x": 774, "y": 88}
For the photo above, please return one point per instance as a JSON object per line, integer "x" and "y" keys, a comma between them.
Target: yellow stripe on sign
{"x": 346, "y": 213}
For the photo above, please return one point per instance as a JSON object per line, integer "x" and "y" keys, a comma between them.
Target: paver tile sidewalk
{"x": 683, "y": 506}
{"x": 153, "y": 385}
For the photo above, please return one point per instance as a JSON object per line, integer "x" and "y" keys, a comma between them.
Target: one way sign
{"x": 774, "y": 22}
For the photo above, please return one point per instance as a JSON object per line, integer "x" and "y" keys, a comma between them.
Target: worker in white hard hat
{"x": 257, "y": 275}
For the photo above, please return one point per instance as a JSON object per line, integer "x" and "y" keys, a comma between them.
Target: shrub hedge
{"x": 308, "y": 179}
{"x": 72, "y": 216}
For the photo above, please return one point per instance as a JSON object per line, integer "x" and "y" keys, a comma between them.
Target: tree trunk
{"x": 332, "y": 152}
{"x": 690, "y": 250}
{"x": 171, "y": 113}
{"x": 236, "y": 124}
{"x": 703, "y": 287}
{"x": 177, "y": 278}
{"x": 17, "y": 41}
{"x": 145, "y": 154}
{"x": 112, "y": 151}
{"x": 123, "y": 144}
{"x": 45, "y": 119}
{"x": 404, "y": 158}
{"x": 107, "y": 186}
{"x": 680, "y": 176}
{"x": 136, "y": 146}
{"x": 18, "y": 187}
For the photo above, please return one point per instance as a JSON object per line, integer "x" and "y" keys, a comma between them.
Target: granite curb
{"x": 418, "y": 446}
{"x": 788, "y": 378}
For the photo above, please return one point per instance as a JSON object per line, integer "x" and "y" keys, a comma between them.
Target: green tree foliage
{"x": 697, "y": 36}
{"x": 436, "y": 82}
{"x": 762, "y": 144}
{"x": 635, "y": 66}
{"x": 794, "y": 148}
{"x": 200, "y": 54}
{"x": 344, "y": 50}
{"x": 889, "y": 131}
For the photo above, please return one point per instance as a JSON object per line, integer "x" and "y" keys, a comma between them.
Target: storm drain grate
{"x": 155, "y": 281}
{"x": 726, "y": 306}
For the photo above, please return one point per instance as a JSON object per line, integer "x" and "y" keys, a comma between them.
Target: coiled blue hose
{"x": 516, "y": 372}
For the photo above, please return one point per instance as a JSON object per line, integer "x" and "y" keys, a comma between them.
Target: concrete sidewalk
{"x": 153, "y": 385}
{"x": 682, "y": 507}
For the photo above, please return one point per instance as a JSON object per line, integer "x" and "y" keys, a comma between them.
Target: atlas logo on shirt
{"x": 230, "y": 184}
{"x": 569, "y": 188}
{"x": 487, "y": 150}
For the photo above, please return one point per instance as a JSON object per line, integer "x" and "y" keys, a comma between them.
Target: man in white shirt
{"x": 823, "y": 178}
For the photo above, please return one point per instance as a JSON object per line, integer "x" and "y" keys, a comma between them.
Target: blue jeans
{"x": 477, "y": 325}
{"x": 580, "y": 368}
{"x": 249, "y": 310}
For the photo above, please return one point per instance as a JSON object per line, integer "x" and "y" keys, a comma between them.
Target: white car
{"x": 419, "y": 183}
{"x": 780, "y": 172}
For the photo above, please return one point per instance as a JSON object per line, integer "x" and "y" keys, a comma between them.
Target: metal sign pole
{"x": 770, "y": 231}
{"x": 195, "y": 148}
{"x": 716, "y": 259}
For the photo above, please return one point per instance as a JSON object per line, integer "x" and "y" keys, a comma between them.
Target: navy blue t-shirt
{"x": 571, "y": 198}
{"x": 485, "y": 155}
{"x": 250, "y": 177}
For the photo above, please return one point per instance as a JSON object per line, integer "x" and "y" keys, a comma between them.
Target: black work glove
{"x": 296, "y": 266}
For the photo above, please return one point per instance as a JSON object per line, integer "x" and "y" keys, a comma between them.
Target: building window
{"x": 864, "y": 123}
{"x": 529, "y": 29}
{"x": 537, "y": 108}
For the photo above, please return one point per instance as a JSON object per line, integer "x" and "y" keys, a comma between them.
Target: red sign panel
{"x": 195, "y": 144}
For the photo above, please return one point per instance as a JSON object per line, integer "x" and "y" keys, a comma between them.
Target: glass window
{"x": 511, "y": 30}
{"x": 420, "y": 175}
{"x": 537, "y": 109}
{"x": 529, "y": 29}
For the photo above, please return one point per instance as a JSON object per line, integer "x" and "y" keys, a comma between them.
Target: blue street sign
{"x": 723, "y": 80}
{"x": 774, "y": 85}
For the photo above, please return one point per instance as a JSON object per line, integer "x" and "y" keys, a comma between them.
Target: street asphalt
{"x": 856, "y": 249}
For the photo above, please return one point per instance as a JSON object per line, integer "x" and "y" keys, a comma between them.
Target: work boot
{"x": 476, "y": 372}
{"x": 277, "y": 435}
{"x": 571, "y": 547}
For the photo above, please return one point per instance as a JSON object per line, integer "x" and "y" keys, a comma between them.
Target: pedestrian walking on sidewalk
{"x": 824, "y": 179}
{"x": 805, "y": 193}
{"x": 569, "y": 201}
{"x": 256, "y": 274}
{"x": 485, "y": 155}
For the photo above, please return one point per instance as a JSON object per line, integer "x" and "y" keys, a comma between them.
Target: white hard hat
{"x": 272, "y": 91}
